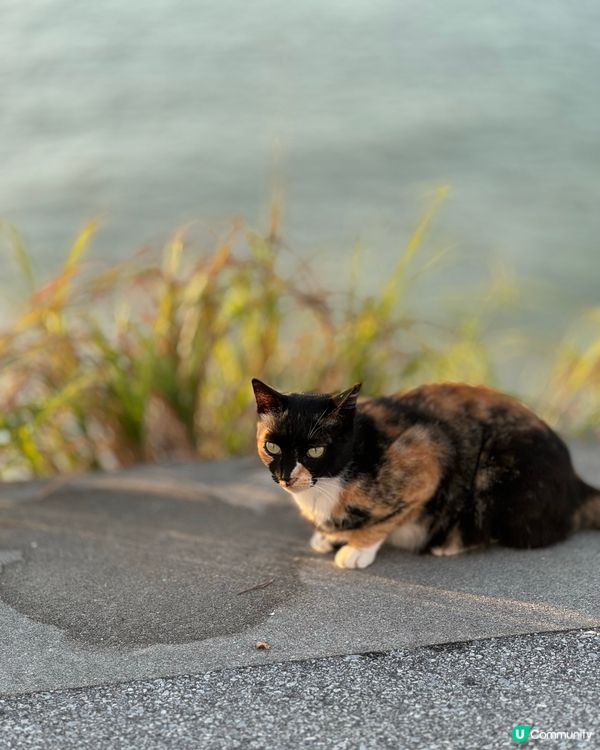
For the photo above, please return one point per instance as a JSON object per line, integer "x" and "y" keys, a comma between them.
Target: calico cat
{"x": 441, "y": 468}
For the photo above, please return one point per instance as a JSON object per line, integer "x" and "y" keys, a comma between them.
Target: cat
{"x": 442, "y": 468}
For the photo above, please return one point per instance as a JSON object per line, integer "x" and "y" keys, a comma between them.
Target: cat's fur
{"x": 442, "y": 468}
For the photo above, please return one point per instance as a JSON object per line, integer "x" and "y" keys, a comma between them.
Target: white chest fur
{"x": 317, "y": 503}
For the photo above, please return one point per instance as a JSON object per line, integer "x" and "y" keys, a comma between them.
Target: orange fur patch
{"x": 414, "y": 461}
{"x": 382, "y": 417}
{"x": 263, "y": 427}
{"x": 411, "y": 472}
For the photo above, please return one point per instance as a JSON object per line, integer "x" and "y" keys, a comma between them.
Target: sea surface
{"x": 153, "y": 114}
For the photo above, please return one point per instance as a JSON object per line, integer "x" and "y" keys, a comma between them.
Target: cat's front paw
{"x": 356, "y": 557}
{"x": 320, "y": 543}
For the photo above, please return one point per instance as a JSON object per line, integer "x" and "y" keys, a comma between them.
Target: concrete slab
{"x": 176, "y": 570}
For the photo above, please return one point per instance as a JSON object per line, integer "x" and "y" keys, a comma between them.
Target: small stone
{"x": 262, "y": 645}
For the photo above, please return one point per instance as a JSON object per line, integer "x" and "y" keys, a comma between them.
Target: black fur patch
{"x": 355, "y": 518}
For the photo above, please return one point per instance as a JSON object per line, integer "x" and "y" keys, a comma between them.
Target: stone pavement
{"x": 459, "y": 696}
{"x": 164, "y": 571}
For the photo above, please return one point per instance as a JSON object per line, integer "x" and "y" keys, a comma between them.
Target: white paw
{"x": 356, "y": 557}
{"x": 445, "y": 551}
{"x": 320, "y": 543}
{"x": 453, "y": 545}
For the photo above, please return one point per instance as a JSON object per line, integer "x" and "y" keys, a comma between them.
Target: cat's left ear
{"x": 267, "y": 398}
{"x": 346, "y": 400}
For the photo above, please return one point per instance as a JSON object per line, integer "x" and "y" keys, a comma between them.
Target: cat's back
{"x": 459, "y": 404}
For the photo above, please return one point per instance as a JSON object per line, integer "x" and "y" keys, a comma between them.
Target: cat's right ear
{"x": 267, "y": 398}
{"x": 346, "y": 400}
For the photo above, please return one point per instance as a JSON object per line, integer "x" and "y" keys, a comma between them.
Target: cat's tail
{"x": 587, "y": 515}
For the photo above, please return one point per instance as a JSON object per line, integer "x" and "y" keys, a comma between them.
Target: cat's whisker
{"x": 313, "y": 429}
{"x": 314, "y": 426}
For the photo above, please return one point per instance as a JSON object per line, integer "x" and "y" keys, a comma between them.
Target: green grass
{"x": 151, "y": 359}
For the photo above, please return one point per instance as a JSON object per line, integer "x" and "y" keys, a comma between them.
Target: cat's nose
{"x": 290, "y": 482}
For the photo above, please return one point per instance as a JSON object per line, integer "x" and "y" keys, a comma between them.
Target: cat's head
{"x": 303, "y": 437}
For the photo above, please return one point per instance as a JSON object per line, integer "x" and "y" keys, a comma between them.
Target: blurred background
{"x": 329, "y": 127}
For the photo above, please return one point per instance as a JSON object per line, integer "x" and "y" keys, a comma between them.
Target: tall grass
{"x": 151, "y": 359}
{"x": 572, "y": 398}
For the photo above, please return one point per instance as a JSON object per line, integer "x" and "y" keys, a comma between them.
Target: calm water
{"x": 157, "y": 112}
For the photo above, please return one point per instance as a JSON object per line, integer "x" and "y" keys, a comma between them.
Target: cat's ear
{"x": 346, "y": 400}
{"x": 267, "y": 398}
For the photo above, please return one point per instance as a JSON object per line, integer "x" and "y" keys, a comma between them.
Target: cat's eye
{"x": 315, "y": 452}
{"x": 272, "y": 448}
